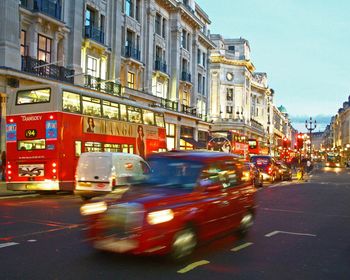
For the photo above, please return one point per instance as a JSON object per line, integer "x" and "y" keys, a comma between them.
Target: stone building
{"x": 154, "y": 52}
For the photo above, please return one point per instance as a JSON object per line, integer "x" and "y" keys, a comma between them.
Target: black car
{"x": 284, "y": 171}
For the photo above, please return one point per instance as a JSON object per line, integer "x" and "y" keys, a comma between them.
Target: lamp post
{"x": 310, "y": 126}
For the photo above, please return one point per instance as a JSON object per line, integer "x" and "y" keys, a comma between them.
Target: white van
{"x": 99, "y": 173}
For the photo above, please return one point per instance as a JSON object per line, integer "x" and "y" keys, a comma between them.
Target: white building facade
{"x": 240, "y": 98}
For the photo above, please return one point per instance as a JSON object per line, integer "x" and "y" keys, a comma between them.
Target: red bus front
{"x": 34, "y": 159}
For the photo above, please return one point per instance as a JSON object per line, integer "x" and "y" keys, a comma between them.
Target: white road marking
{"x": 289, "y": 232}
{"x": 272, "y": 233}
{"x": 8, "y": 244}
{"x": 31, "y": 240}
{"x": 283, "y": 210}
{"x": 192, "y": 266}
{"x": 240, "y": 247}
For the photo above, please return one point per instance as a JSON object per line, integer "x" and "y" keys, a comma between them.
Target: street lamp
{"x": 310, "y": 126}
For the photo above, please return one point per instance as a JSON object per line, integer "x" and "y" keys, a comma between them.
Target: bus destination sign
{"x": 30, "y": 133}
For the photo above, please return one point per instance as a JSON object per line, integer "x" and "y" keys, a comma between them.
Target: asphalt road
{"x": 301, "y": 232}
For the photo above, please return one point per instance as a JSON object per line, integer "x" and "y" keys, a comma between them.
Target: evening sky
{"x": 302, "y": 45}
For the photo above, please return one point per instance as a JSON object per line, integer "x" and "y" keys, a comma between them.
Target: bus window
{"x": 112, "y": 148}
{"x": 71, "y": 102}
{"x": 28, "y": 145}
{"x": 126, "y": 148}
{"x": 77, "y": 148}
{"x": 134, "y": 114}
{"x": 110, "y": 110}
{"x": 33, "y": 96}
{"x": 160, "y": 120}
{"x": 123, "y": 113}
{"x": 148, "y": 117}
{"x": 91, "y": 106}
{"x": 93, "y": 147}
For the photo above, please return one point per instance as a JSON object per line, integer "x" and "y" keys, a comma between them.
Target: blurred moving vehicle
{"x": 284, "y": 171}
{"x": 267, "y": 166}
{"x": 189, "y": 197}
{"x": 99, "y": 173}
{"x": 333, "y": 160}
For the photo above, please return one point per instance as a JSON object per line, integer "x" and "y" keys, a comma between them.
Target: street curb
{"x": 17, "y": 195}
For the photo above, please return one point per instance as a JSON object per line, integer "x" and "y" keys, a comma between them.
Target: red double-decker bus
{"x": 49, "y": 127}
{"x": 228, "y": 141}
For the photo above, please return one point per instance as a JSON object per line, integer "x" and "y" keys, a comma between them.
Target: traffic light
{"x": 300, "y": 141}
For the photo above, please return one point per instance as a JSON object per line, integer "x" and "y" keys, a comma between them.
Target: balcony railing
{"x": 102, "y": 85}
{"x": 47, "y": 7}
{"x": 169, "y": 104}
{"x": 174, "y": 106}
{"x": 160, "y": 65}
{"x": 95, "y": 34}
{"x": 185, "y": 76}
{"x": 132, "y": 52}
{"x": 188, "y": 110}
{"x": 43, "y": 69}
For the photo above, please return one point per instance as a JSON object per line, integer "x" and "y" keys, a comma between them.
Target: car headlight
{"x": 338, "y": 164}
{"x": 93, "y": 208}
{"x": 161, "y": 216}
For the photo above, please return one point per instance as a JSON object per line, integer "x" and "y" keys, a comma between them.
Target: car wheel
{"x": 183, "y": 244}
{"x": 246, "y": 223}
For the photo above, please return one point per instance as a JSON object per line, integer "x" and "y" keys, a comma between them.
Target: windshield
{"x": 174, "y": 173}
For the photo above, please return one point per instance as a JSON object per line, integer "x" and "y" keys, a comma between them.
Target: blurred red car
{"x": 189, "y": 197}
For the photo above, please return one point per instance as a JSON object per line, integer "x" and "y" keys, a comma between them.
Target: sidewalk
{"x": 5, "y": 192}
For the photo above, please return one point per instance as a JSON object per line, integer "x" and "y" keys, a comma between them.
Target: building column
{"x": 148, "y": 45}
{"x": 54, "y": 50}
{"x": 9, "y": 34}
{"x": 116, "y": 40}
{"x": 178, "y": 134}
{"x": 174, "y": 66}
{"x": 33, "y": 39}
{"x": 194, "y": 89}
{"x": 75, "y": 19}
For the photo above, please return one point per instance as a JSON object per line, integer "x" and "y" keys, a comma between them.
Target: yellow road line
{"x": 192, "y": 266}
{"x": 240, "y": 247}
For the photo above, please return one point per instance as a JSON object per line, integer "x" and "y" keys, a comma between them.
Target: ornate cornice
{"x": 223, "y": 60}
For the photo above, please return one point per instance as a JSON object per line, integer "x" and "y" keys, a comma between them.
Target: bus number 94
{"x": 30, "y": 133}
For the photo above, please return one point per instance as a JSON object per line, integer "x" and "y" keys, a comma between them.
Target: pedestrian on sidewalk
{"x": 308, "y": 166}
